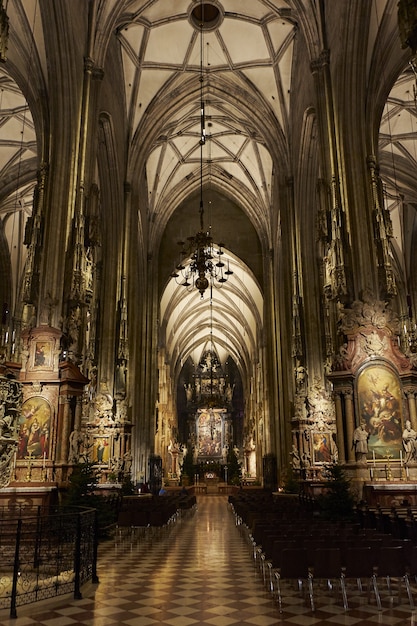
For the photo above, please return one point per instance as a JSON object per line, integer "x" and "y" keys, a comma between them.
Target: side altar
{"x": 51, "y": 418}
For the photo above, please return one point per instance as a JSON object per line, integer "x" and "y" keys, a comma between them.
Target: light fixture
{"x": 205, "y": 265}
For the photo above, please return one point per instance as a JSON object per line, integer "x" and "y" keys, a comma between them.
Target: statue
{"x": 127, "y": 462}
{"x": 296, "y": 461}
{"x": 188, "y": 392}
{"x": 300, "y": 375}
{"x": 360, "y": 442}
{"x": 75, "y": 441}
{"x": 409, "y": 442}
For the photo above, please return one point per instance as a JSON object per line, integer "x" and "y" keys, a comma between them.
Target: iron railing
{"x": 45, "y": 552}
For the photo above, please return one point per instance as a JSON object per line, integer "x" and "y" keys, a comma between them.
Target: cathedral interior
{"x": 276, "y": 141}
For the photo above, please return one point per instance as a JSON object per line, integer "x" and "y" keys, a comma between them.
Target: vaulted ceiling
{"x": 244, "y": 54}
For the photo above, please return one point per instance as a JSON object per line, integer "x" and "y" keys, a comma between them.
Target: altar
{"x": 211, "y": 480}
{"x": 389, "y": 493}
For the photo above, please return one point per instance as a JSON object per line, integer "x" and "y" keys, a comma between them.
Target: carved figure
{"x": 75, "y": 440}
{"x": 127, "y": 462}
{"x": 409, "y": 442}
{"x": 188, "y": 392}
{"x": 229, "y": 392}
{"x": 6, "y": 424}
{"x": 296, "y": 461}
{"x": 300, "y": 375}
{"x": 360, "y": 442}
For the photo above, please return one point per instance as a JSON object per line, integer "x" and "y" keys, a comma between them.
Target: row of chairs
{"x": 312, "y": 550}
{"x": 153, "y": 516}
{"x": 334, "y": 556}
{"x": 400, "y": 521}
{"x": 357, "y": 564}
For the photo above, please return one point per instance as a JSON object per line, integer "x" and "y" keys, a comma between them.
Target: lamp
{"x": 202, "y": 268}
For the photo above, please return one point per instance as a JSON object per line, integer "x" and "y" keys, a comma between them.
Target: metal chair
{"x": 360, "y": 563}
{"x": 327, "y": 565}
{"x": 294, "y": 566}
{"x": 275, "y": 562}
{"x": 392, "y": 564}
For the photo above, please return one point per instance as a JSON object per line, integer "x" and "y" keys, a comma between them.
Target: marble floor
{"x": 200, "y": 572}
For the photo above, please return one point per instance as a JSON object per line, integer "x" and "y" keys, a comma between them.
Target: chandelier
{"x": 200, "y": 263}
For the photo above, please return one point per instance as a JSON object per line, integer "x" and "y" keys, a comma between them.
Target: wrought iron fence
{"x": 45, "y": 552}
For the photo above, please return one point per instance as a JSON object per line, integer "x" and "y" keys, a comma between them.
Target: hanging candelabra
{"x": 200, "y": 263}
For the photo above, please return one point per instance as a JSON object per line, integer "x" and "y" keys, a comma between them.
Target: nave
{"x": 200, "y": 572}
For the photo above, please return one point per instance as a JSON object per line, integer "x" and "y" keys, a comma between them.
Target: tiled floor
{"x": 200, "y": 574}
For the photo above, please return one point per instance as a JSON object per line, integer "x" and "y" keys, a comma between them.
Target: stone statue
{"x": 360, "y": 442}
{"x": 300, "y": 375}
{"x": 75, "y": 441}
{"x": 409, "y": 442}
{"x": 229, "y": 392}
{"x": 188, "y": 392}
{"x": 127, "y": 462}
{"x": 296, "y": 461}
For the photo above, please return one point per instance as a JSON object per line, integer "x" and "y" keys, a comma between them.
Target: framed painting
{"x": 379, "y": 401}
{"x": 101, "y": 450}
{"x": 43, "y": 355}
{"x": 209, "y": 433}
{"x": 34, "y": 429}
{"x": 322, "y": 447}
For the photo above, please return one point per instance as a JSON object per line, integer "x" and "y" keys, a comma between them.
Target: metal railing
{"x": 46, "y": 552}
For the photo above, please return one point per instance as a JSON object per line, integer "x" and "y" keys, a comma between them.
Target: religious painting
{"x": 209, "y": 432}
{"x": 43, "y": 354}
{"x": 101, "y": 453}
{"x": 322, "y": 447}
{"x": 34, "y": 429}
{"x": 380, "y": 409}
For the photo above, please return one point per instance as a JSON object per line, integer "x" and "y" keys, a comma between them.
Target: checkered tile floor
{"x": 201, "y": 573}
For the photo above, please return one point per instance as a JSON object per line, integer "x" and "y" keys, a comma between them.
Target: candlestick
{"x": 29, "y": 468}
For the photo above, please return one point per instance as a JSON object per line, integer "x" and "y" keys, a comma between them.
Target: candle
{"x": 44, "y": 460}
{"x": 373, "y": 456}
{"x": 401, "y": 458}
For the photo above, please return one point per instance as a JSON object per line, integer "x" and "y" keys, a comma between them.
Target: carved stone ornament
{"x": 10, "y": 408}
{"x": 103, "y": 410}
{"x": 368, "y": 312}
{"x": 300, "y": 407}
{"x": 373, "y": 345}
{"x": 320, "y": 406}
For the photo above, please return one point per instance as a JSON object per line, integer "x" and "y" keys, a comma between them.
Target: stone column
{"x": 78, "y": 413}
{"x": 339, "y": 428}
{"x": 411, "y": 399}
{"x": 65, "y": 428}
{"x": 174, "y": 456}
{"x": 350, "y": 424}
